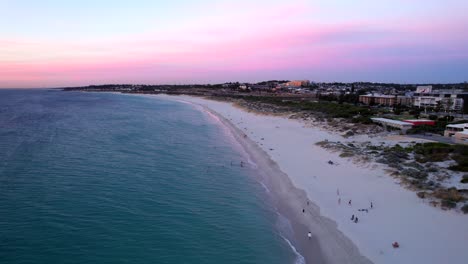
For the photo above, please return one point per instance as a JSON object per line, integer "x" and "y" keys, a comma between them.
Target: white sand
{"x": 425, "y": 234}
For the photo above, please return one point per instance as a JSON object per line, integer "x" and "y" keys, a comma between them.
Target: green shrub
{"x": 414, "y": 173}
{"x": 464, "y": 179}
{"x": 450, "y": 194}
{"x": 362, "y": 119}
{"x": 461, "y": 157}
{"x": 421, "y": 195}
{"x": 465, "y": 209}
{"x": 425, "y": 129}
{"x": 448, "y": 204}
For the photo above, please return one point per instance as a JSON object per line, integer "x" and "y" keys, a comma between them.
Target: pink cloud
{"x": 202, "y": 50}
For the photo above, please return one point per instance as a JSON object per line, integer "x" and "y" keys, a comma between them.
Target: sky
{"x": 56, "y": 43}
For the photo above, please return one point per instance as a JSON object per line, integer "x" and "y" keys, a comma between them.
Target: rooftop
{"x": 418, "y": 120}
{"x": 391, "y": 121}
{"x": 465, "y": 125}
{"x": 380, "y": 95}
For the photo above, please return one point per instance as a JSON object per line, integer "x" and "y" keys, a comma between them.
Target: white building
{"x": 403, "y": 126}
{"x": 447, "y": 102}
{"x": 458, "y": 133}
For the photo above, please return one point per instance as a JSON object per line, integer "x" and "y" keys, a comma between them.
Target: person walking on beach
{"x": 355, "y": 220}
{"x": 371, "y": 205}
{"x": 352, "y": 218}
{"x": 309, "y": 235}
{"x": 303, "y": 210}
{"x": 349, "y": 202}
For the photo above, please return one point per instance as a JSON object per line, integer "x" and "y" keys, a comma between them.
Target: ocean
{"x": 111, "y": 178}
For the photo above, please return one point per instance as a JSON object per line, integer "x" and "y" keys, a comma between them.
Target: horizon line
{"x": 184, "y": 84}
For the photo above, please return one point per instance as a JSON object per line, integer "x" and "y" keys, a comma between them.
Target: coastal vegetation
{"x": 353, "y": 113}
{"x": 465, "y": 209}
{"x": 430, "y": 169}
{"x": 436, "y": 152}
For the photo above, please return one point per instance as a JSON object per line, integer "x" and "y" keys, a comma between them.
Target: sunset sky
{"x": 53, "y": 43}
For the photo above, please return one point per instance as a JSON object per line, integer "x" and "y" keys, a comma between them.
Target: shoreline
{"x": 267, "y": 168}
{"x": 398, "y": 214}
{"x": 290, "y": 201}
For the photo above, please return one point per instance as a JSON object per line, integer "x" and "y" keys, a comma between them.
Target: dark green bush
{"x": 465, "y": 209}
{"x": 464, "y": 179}
{"x": 448, "y": 204}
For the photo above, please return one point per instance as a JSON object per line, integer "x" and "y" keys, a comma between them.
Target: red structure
{"x": 420, "y": 122}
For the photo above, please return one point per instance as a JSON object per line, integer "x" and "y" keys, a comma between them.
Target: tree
{"x": 341, "y": 98}
{"x": 397, "y": 109}
{"x": 415, "y": 112}
{"x": 438, "y": 106}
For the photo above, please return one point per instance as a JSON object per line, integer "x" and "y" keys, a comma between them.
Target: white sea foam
{"x": 299, "y": 258}
{"x": 265, "y": 187}
{"x": 285, "y": 228}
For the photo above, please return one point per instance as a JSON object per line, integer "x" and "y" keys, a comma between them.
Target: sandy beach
{"x": 299, "y": 174}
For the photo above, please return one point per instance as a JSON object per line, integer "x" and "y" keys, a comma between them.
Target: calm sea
{"x": 108, "y": 178}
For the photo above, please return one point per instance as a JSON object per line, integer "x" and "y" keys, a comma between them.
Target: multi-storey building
{"x": 378, "y": 99}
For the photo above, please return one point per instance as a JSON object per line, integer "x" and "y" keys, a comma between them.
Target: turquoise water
{"x": 106, "y": 178}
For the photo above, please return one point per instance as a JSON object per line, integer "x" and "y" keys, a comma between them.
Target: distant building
{"x": 297, "y": 83}
{"x": 442, "y": 100}
{"x": 458, "y": 133}
{"x": 260, "y": 87}
{"x": 403, "y": 126}
{"x": 379, "y": 99}
{"x": 404, "y": 100}
{"x": 424, "y": 89}
{"x": 420, "y": 122}
{"x": 447, "y": 102}
{"x": 426, "y": 101}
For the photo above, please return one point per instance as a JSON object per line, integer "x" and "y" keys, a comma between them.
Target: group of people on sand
{"x": 354, "y": 218}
